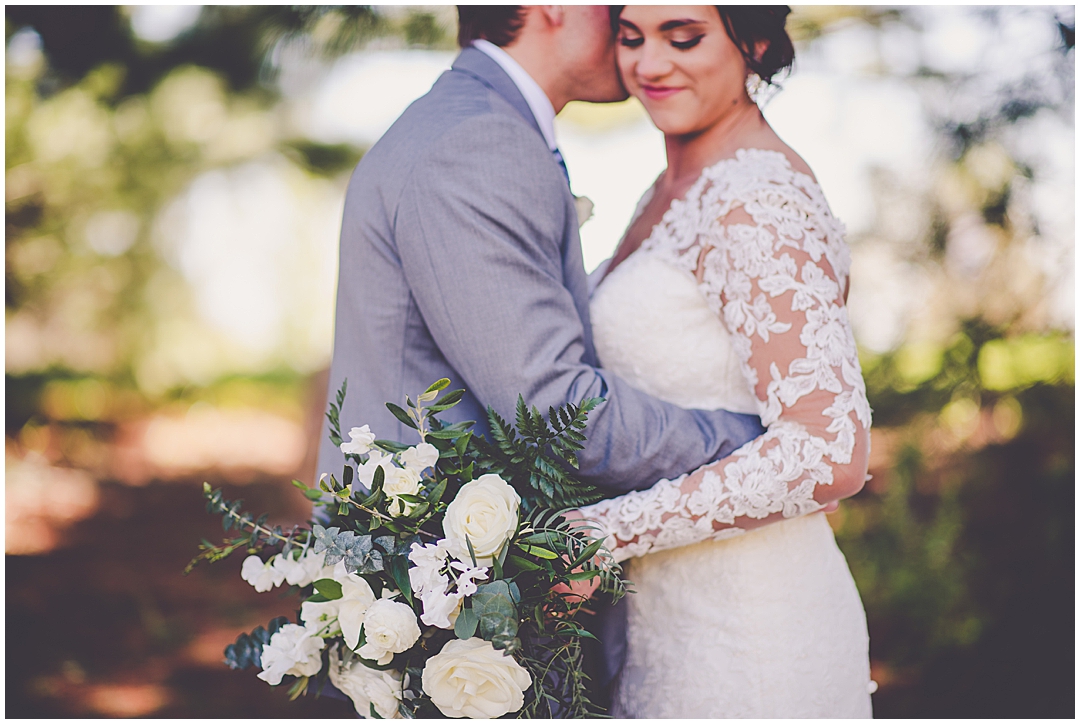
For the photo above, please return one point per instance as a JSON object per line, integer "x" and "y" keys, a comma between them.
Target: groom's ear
{"x": 553, "y": 14}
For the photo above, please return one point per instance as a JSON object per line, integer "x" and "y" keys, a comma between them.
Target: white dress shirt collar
{"x": 534, "y": 95}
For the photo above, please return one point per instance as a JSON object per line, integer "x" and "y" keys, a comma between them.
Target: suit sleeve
{"x": 479, "y": 232}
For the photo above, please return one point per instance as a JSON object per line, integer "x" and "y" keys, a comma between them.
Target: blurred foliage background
{"x": 149, "y": 150}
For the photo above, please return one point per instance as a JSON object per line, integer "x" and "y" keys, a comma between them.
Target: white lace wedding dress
{"x": 735, "y": 301}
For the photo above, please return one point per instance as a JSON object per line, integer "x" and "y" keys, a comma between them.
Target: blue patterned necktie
{"x": 562, "y": 165}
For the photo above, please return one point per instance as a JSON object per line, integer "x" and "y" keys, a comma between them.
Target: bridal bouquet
{"x": 427, "y": 585}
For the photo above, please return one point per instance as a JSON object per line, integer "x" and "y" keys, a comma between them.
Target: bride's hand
{"x": 583, "y": 589}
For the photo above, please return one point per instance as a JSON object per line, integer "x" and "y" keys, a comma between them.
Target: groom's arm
{"x": 479, "y": 232}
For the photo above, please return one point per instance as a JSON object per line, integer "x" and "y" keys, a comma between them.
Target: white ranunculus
{"x": 471, "y": 679}
{"x": 390, "y": 628}
{"x": 365, "y": 473}
{"x": 367, "y": 687}
{"x": 294, "y": 651}
{"x": 420, "y": 457}
{"x": 486, "y": 511}
{"x": 400, "y": 481}
{"x": 263, "y": 576}
{"x": 360, "y": 440}
{"x": 300, "y": 572}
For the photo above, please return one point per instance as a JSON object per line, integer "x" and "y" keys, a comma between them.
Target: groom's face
{"x": 588, "y": 49}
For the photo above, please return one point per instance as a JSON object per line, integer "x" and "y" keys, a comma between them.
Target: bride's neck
{"x": 689, "y": 154}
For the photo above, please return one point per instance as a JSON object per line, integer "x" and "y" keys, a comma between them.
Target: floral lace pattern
{"x": 771, "y": 262}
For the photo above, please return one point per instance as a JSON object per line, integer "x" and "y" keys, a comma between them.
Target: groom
{"x": 460, "y": 257}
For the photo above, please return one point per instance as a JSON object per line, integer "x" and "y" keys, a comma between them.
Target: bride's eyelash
{"x": 631, "y": 42}
{"x": 687, "y": 44}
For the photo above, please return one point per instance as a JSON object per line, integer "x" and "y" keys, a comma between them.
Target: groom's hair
{"x": 498, "y": 24}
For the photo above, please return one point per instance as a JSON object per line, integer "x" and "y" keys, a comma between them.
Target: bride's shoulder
{"x": 780, "y": 165}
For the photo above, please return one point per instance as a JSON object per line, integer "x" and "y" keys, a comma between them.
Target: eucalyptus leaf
{"x": 465, "y": 626}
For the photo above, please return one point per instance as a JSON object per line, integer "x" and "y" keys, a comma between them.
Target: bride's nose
{"x": 653, "y": 63}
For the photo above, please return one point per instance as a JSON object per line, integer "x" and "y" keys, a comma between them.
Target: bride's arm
{"x": 776, "y": 291}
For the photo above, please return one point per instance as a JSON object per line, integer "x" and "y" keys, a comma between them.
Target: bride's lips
{"x": 659, "y": 92}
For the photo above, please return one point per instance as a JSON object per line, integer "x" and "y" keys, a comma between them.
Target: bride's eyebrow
{"x": 673, "y": 24}
{"x": 629, "y": 25}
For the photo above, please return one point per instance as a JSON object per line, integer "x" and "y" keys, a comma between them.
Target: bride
{"x": 728, "y": 291}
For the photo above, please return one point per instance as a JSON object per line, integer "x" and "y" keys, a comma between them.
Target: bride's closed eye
{"x": 687, "y": 44}
{"x": 628, "y": 42}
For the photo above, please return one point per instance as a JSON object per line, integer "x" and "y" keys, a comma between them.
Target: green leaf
{"x": 466, "y": 624}
{"x": 587, "y": 554}
{"x": 329, "y": 588}
{"x": 523, "y": 563}
{"x": 438, "y": 385}
{"x": 495, "y": 608}
{"x": 313, "y": 494}
{"x": 472, "y": 553}
{"x": 391, "y": 446}
{"x": 436, "y": 495}
{"x": 297, "y": 484}
{"x": 447, "y": 401}
{"x": 414, "y": 499}
{"x": 399, "y": 571}
{"x": 298, "y": 688}
{"x": 444, "y": 434}
{"x": 582, "y": 575}
{"x": 401, "y": 415}
{"x": 538, "y": 551}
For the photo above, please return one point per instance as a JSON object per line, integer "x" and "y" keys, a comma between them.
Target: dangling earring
{"x": 755, "y": 87}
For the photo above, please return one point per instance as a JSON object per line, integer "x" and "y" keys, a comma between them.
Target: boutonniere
{"x": 584, "y": 206}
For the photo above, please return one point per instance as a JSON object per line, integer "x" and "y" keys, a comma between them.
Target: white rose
{"x": 400, "y": 481}
{"x": 300, "y": 572}
{"x": 472, "y": 679}
{"x": 294, "y": 651}
{"x": 420, "y": 457}
{"x": 486, "y": 511}
{"x": 367, "y": 687}
{"x": 360, "y": 440}
{"x": 390, "y": 628}
{"x": 263, "y": 576}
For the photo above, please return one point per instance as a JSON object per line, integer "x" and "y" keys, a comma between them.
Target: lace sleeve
{"x": 773, "y": 278}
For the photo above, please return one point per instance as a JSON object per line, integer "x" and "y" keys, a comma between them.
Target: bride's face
{"x": 680, "y": 63}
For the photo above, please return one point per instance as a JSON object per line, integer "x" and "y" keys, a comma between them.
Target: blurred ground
{"x": 101, "y": 619}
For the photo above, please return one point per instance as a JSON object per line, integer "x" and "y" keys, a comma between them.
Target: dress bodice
{"x": 653, "y": 328}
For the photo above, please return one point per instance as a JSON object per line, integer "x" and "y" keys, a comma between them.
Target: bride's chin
{"x": 671, "y": 124}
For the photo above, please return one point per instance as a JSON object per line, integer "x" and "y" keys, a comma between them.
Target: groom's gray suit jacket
{"x": 460, "y": 258}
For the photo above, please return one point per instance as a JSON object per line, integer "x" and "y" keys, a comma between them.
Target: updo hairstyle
{"x": 747, "y": 24}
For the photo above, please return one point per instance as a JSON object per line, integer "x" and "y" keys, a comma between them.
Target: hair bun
{"x": 746, "y": 25}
